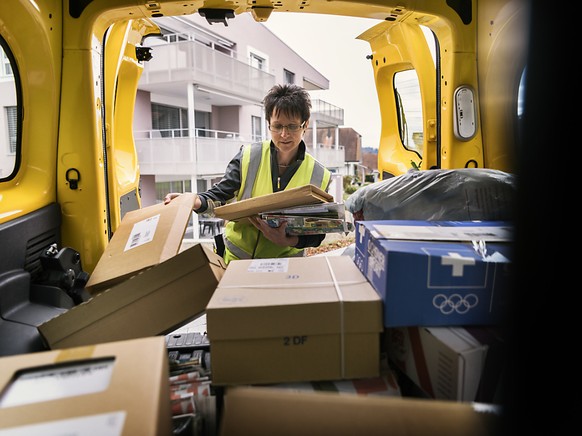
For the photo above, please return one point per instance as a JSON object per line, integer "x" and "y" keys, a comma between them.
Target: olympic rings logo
{"x": 455, "y": 303}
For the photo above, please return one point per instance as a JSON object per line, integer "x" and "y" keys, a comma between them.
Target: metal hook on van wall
{"x": 73, "y": 181}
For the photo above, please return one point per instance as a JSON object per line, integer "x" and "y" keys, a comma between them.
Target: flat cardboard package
{"x": 449, "y": 363}
{"x": 303, "y": 195}
{"x": 156, "y": 301}
{"x": 144, "y": 238}
{"x": 119, "y": 388}
{"x": 437, "y": 273}
{"x": 262, "y": 411}
{"x": 293, "y": 319}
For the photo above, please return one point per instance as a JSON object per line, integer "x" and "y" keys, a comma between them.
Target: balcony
{"x": 334, "y": 158}
{"x": 206, "y": 154}
{"x": 177, "y": 64}
{"x": 326, "y": 113}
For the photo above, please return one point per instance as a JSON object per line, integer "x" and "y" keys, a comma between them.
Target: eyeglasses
{"x": 291, "y": 128}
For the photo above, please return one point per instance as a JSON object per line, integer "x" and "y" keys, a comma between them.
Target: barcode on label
{"x": 135, "y": 240}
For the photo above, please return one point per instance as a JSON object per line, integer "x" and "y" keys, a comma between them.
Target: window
{"x": 407, "y": 91}
{"x": 162, "y": 188}
{"x": 257, "y": 61}
{"x": 256, "y": 129}
{"x": 409, "y": 102}
{"x": 172, "y": 122}
{"x": 10, "y": 113}
{"x": 289, "y": 76}
{"x": 12, "y": 123}
{"x": 203, "y": 123}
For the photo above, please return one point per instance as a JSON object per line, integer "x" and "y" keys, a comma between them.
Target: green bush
{"x": 347, "y": 181}
{"x": 350, "y": 189}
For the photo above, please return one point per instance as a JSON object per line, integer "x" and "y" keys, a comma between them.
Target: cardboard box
{"x": 154, "y": 302}
{"x": 119, "y": 388}
{"x": 437, "y": 273}
{"x": 308, "y": 194}
{"x": 144, "y": 238}
{"x": 448, "y": 362}
{"x": 386, "y": 385}
{"x": 262, "y": 411}
{"x": 293, "y": 319}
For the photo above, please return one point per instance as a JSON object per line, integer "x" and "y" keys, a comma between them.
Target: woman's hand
{"x": 170, "y": 196}
{"x": 277, "y": 235}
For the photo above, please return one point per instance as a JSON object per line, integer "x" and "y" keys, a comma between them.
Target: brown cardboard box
{"x": 263, "y": 411}
{"x": 308, "y": 194}
{"x": 119, "y": 388}
{"x": 153, "y": 302}
{"x": 293, "y": 319}
{"x": 145, "y": 238}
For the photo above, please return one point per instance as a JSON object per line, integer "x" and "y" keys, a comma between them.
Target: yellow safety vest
{"x": 242, "y": 239}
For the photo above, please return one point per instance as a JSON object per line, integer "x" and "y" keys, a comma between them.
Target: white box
{"x": 445, "y": 362}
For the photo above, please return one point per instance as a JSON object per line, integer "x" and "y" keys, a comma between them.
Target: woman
{"x": 264, "y": 168}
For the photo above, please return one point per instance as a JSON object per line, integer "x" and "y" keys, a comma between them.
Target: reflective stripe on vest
{"x": 254, "y": 161}
{"x": 318, "y": 175}
{"x": 238, "y": 252}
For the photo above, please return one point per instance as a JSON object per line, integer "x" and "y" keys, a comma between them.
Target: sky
{"x": 329, "y": 44}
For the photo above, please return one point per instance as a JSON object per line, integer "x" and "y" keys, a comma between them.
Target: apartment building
{"x": 200, "y": 99}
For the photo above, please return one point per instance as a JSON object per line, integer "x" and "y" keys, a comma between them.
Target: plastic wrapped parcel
{"x": 457, "y": 195}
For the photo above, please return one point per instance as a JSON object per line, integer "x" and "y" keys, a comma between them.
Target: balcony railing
{"x": 190, "y": 61}
{"x": 332, "y": 157}
{"x": 325, "y": 112}
{"x": 206, "y": 153}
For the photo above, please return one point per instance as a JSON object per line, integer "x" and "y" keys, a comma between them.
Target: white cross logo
{"x": 457, "y": 262}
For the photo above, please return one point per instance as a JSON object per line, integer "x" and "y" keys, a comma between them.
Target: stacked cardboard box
{"x": 145, "y": 238}
{"x": 444, "y": 285}
{"x": 293, "y": 319}
{"x": 143, "y": 289}
{"x": 437, "y": 273}
{"x": 144, "y": 285}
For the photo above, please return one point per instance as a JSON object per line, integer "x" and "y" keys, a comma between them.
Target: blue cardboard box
{"x": 437, "y": 273}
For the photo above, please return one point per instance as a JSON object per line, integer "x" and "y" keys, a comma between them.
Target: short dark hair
{"x": 290, "y": 100}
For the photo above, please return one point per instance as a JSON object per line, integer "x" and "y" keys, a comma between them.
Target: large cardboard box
{"x": 144, "y": 238}
{"x": 303, "y": 195}
{"x": 153, "y": 302}
{"x": 293, "y": 319}
{"x": 262, "y": 411}
{"x": 437, "y": 273}
{"x": 119, "y": 388}
{"x": 449, "y": 363}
